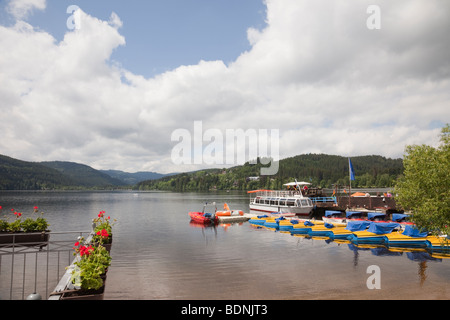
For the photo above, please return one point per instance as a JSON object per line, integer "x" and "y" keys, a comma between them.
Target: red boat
{"x": 201, "y": 217}
{"x": 205, "y": 217}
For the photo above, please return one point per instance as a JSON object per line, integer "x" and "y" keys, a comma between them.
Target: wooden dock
{"x": 231, "y": 219}
{"x": 369, "y": 203}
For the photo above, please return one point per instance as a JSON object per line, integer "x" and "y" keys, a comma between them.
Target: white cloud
{"x": 20, "y": 9}
{"x": 315, "y": 72}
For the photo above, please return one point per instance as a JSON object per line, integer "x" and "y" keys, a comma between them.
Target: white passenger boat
{"x": 282, "y": 201}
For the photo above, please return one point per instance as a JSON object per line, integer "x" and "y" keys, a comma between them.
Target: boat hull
{"x": 294, "y": 211}
{"x": 229, "y": 213}
{"x": 440, "y": 244}
{"x": 366, "y": 237}
{"x": 201, "y": 217}
{"x": 396, "y": 239}
{"x": 341, "y": 222}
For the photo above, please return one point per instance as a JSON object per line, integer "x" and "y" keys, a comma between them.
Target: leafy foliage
{"x": 38, "y": 224}
{"x": 93, "y": 262}
{"x": 424, "y": 188}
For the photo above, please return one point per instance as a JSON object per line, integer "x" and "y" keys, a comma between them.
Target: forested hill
{"x": 83, "y": 175}
{"x": 23, "y": 175}
{"x": 319, "y": 169}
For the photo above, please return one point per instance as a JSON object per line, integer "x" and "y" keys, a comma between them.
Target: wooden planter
{"x": 84, "y": 294}
{"x": 106, "y": 245}
{"x": 80, "y": 294}
{"x": 24, "y": 238}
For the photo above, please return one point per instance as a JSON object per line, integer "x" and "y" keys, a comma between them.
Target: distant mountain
{"x": 83, "y": 175}
{"x": 22, "y": 175}
{"x": 133, "y": 178}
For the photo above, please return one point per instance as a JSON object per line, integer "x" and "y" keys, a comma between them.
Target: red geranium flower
{"x": 103, "y": 233}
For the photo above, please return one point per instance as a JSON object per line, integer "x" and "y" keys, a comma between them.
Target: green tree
{"x": 425, "y": 186}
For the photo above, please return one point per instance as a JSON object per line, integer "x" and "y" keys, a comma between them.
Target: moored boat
{"x": 227, "y": 212}
{"x": 356, "y": 215}
{"x": 259, "y": 220}
{"x": 284, "y": 201}
{"x": 202, "y": 217}
{"x": 410, "y": 237}
{"x": 302, "y": 228}
{"x": 337, "y": 231}
{"x": 439, "y": 243}
{"x": 335, "y": 217}
{"x": 375, "y": 234}
{"x": 205, "y": 217}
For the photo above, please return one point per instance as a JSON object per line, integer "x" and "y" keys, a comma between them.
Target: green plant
{"x": 103, "y": 228}
{"x": 3, "y": 225}
{"x": 28, "y": 225}
{"x": 424, "y": 188}
{"x": 16, "y": 225}
{"x": 91, "y": 266}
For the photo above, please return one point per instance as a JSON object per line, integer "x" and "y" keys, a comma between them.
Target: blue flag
{"x": 350, "y": 168}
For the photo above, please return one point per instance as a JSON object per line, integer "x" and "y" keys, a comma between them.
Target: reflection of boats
{"x": 228, "y": 213}
{"x": 205, "y": 217}
{"x": 201, "y": 225}
{"x": 284, "y": 201}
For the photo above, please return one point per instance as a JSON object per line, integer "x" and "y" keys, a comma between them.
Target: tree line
{"x": 320, "y": 170}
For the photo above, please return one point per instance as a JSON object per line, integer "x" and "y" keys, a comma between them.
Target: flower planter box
{"x": 107, "y": 245}
{"x": 80, "y": 294}
{"x": 24, "y": 238}
{"x": 84, "y": 294}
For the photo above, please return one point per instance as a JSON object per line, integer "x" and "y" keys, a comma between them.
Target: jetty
{"x": 233, "y": 219}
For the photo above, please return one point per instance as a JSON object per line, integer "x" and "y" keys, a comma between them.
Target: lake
{"x": 159, "y": 254}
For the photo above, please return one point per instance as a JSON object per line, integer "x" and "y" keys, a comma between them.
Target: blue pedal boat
{"x": 375, "y": 234}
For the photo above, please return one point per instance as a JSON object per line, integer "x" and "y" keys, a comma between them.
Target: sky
{"x": 115, "y": 89}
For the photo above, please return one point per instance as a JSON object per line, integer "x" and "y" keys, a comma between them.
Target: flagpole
{"x": 350, "y": 186}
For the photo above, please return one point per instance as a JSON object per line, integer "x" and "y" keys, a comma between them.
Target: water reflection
{"x": 159, "y": 254}
{"x": 418, "y": 255}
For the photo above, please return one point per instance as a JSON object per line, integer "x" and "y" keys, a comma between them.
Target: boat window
{"x": 304, "y": 202}
{"x": 290, "y": 202}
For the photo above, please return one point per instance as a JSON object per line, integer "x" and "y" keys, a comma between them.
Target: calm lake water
{"x": 158, "y": 254}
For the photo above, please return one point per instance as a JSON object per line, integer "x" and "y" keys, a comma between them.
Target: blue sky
{"x": 163, "y": 34}
{"x": 114, "y": 93}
